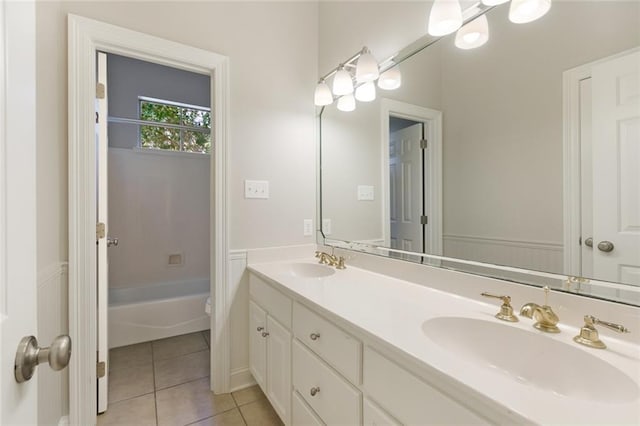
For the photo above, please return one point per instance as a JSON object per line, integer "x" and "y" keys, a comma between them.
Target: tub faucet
{"x": 546, "y": 319}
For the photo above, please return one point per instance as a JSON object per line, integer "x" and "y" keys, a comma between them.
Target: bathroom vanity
{"x": 358, "y": 346}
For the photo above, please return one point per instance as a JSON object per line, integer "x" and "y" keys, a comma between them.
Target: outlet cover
{"x": 308, "y": 227}
{"x": 256, "y": 189}
{"x": 365, "y": 192}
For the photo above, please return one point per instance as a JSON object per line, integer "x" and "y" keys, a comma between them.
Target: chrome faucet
{"x": 330, "y": 259}
{"x": 546, "y": 319}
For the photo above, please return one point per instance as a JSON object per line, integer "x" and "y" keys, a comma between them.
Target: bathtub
{"x": 140, "y": 314}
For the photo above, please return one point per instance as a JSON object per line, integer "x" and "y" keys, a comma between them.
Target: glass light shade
{"x": 323, "y": 95}
{"x": 390, "y": 79}
{"x": 367, "y": 67}
{"x": 493, "y": 2}
{"x": 366, "y": 92}
{"x": 445, "y": 17}
{"x": 523, "y": 11}
{"x": 346, "y": 103}
{"x": 474, "y": 34}
{"x": 342, "y": 83}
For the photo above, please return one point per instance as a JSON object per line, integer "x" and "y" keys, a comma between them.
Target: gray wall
{"x": 130, "y": 78}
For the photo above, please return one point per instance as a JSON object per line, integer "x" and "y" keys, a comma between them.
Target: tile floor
{"x": 166, "y": 382}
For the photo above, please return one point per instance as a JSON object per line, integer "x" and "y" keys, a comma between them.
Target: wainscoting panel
{"x": 53, "y": 320}
{"x": 539, "y": 256}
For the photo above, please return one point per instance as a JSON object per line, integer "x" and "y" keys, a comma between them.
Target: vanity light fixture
{"x": 524, "y": 11}
{"x": 346, "y": 103}
{"x": 366, "y": 92}
{"x": 323, "y": 95}
{"x": 390, "y": 79}
{"x": 445, "y": 17}
{"x": 342, "y": 82}
{"x": 474, "y": 34}
{"x": 367, "y": 67}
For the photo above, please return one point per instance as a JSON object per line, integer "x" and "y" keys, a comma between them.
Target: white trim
{"x": 85, "y": 38}
{"x": 241, "y": 378}
{"x": 571, "y": 161}
{"x": 545, "y": 245}
{"x": 432, "y": 120}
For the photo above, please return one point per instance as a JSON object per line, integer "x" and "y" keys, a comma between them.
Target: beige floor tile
{"x": 228, "y": 418}
{"x": 139, "y": 411}
{"x": 207, "y": 336}
{"x": 178, "y": 345}
{"x": 129, "y": 382}
{"x": 247, "y": 395}
{"x": 190, "y": 402}
{"x": 260, "y": 413}
{"x": 127, "y": 356}
{"x": 182, "y": 369}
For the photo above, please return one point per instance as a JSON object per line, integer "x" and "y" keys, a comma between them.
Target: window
{"x": 180, "y": 127}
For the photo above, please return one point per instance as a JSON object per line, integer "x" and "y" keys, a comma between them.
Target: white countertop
{"x": 393, "y": 311}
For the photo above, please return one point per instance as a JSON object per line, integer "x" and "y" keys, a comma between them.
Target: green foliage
{"x": 195, "y": 136}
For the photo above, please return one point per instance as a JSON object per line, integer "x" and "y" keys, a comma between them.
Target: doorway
{"x": 86, "y": 38}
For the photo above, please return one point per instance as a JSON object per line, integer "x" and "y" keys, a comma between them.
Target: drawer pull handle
{"x": 260, "y": 329}
{"x": 265, "y": 334}
{"x": 314, "y": 336}
{"x": 314, "y": 391}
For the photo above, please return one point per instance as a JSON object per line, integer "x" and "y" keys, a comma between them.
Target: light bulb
{"x": 390, "y": 79}
{"x": 346, "y": 103}
{"x": 366, "y": 92}
{"x": 493, "y": 2}
{"x": 474, "y": 34}
{"x": 342, "y": 82}
{"x": 445, "y": 17}
{"x": 367, "y": 67}
{"x": 523, "y": 11}
{"x": 322, "y": 94}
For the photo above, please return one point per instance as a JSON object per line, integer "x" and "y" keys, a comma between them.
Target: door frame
{"x": 571, "y": 170}
{"x": 85, "y": 38}
{"x": 432, "y": 122}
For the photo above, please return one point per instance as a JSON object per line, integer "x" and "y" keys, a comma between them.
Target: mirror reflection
{"x": 523, "y": 152}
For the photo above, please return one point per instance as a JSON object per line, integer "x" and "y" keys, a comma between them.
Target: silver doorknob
{"x": 606, "y": 246}
{"x": 112, "y": 242}
{"x": 588, "y": 242}
{"x": 29, "y": 355}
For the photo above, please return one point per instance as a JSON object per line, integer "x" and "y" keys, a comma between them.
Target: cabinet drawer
{"x": 302, "y": 414}
{"x": 336, "y": 347}
{"x": 275, "y": 303}
{"x": 409, "y": 399}
{"x": 337, "y": 401}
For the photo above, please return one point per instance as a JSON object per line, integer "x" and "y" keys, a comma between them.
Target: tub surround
{"x": 384, "y": 303}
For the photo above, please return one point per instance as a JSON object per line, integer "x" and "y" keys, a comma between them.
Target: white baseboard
{"x": 64, "y": 421}
{"x": 240, "y": 379}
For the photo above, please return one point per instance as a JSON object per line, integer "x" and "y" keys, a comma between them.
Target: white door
{"x": 258, "y": 344}
{"x": 616, "y": 169}
{"x": 586, "y": 179}
{"x": 279, "y": 368}
{"x": 102, "y": 145}
{"x": 406, "y": 188}
{"x": 18, "y": 293}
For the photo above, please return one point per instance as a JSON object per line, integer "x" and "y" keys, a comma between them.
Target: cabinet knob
{"x": 314, "y": 391}
{"x": 314, "y": 336}
{"x": 265, "y": 334}
{"x": 260, "y": 329}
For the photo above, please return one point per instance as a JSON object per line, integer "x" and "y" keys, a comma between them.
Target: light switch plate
{"x": 308, "y": 227}
{"x": 365, "y": 192}
{"x": 326, "y": 227}
{"x": 256, "y": 189}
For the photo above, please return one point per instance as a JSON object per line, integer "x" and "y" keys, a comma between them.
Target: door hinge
{"x": 100, "y": 91}
{"x": 423, "y": 144}
{"x": 424, "y": 220}
{"x": 100, "y": 230}
{"x": 101, "y": 369}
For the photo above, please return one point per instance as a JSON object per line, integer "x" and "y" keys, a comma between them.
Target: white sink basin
{"x": 308, "y": 270}
{"x": 532, "y": 359}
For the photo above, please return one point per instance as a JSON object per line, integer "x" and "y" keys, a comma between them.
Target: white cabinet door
{"x": 279, "y": 368}
{"x": 376, "y": 416}
{"x": 258, "y": 344}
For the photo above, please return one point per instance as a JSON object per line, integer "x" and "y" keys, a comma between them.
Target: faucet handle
{"x": 589, "y": 335}
{"x": 506, "y": 310}
{"x": 341, "y": 264}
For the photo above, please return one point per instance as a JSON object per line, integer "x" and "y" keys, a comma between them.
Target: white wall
{"x": 158, "y": 206}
